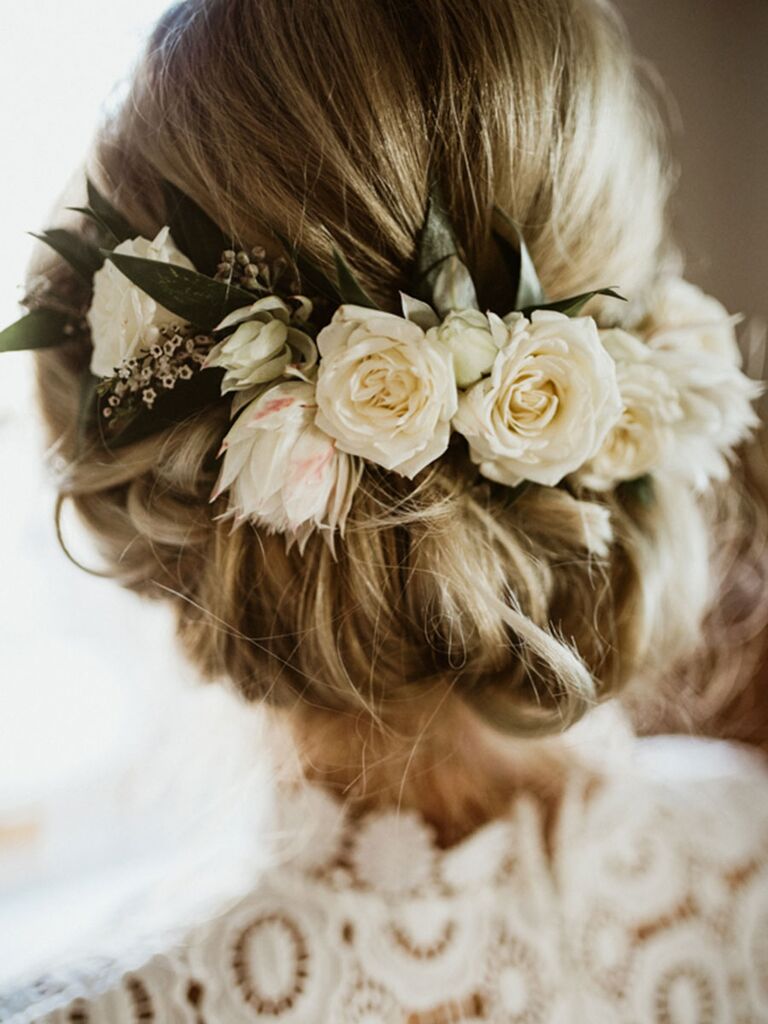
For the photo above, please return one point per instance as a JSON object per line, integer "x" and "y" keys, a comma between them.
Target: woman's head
{"x": 313, "y": 118}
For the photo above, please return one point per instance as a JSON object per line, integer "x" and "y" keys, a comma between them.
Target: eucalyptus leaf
{"x": 529, "y": 289}
{"x": 84, "y": 258}
{"x": 42, "y": 328}
{"x": 193, "y": 231}
{"x": 350, "y": 289}
{"x": 453, "y": 287}
{"x": 574, "y": 305}
{"x": 314, "y": 281}
{"x": 191, "y": 296}
{"x": 108, "y": 215}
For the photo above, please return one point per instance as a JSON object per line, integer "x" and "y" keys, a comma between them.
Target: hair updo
{"x": 316, "y": 116}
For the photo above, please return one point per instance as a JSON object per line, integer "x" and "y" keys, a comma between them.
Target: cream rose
{"x": 123, "y": 319}
{"x": 384, "y": 390}
{"x": 683, "y": 315}
{"x": 548, "y": 405}
{"x": 473, "y": 339}
{"x": 641, "y": 440}
{"x": 281, "y": 470}
{"x": 262, "y": 347}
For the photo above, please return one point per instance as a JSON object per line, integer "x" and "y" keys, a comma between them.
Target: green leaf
{"x": 193, "y": 231}
{"x": 185, "y": 400}
{"x": 191, "y": 296}
{"x": 437, "y": 240}
{"x": 87, "y": 408}
{"x": 108, "y": 238}
{"x": 574, "y": 305}
{"x": 84, "y": 258}
{"x": 349, "y": 288}
{"x": 42, "y": 328}
{"x": 452, "y": 287}
{"x": 530, "y": 292}
{"x": 640, "y": 490}
{"x": 314, "y": 281}
{"x": 436, "y": 244}
{"x": 106, "y": 214}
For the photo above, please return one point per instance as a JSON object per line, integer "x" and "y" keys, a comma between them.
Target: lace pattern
{"x": 650, "y": 907}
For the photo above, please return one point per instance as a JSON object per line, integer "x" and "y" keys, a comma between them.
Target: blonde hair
{"x": 321, "y": 116}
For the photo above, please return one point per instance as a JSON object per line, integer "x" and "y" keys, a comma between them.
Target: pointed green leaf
{"x": 314, "y": 281}
{"x": 574, "y": 305}
{"x": 441, "y": 279}
{"x": 87, "y": 408}
{"x": 453, "y": 287}
{"x": 437, "y": 240}
{"x": 529, "y": 288}
{"x": 193, "y": 231}
{"x": 191, "y": 296}
{"x": 350, "y": 289}
{"x": 42, "y": 328}
{"x": 108, "y": 239}
{"x": 84, "y": 258}
{"x": 108, "y": 215}
{"x": 418, "y": 312}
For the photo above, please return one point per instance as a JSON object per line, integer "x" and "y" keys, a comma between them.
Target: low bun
{"x": 530, "y": 605}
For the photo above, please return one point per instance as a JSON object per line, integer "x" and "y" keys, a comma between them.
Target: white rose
{"x": 716, "y": 409}
{"x": 473, "y": 339}
{"x": 683, "y": 314}
{"x": 641, "y": 440}
{"x": 384, "y": 391}
{"x": 262, "y": 347}
{"x": 281, "y": 470}
{"x": 548, "y": 405}
{"x": 123, "y": 319}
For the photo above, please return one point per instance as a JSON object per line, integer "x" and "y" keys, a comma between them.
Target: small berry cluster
{"x": 251, "y": 270}
{"x": 173, "y": 353}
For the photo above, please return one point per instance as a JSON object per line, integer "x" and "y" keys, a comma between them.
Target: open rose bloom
{"x": 385, "y": 391}
{"x": 548, "y": 404}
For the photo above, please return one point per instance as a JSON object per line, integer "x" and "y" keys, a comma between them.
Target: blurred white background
{"x": 89, "y": 680}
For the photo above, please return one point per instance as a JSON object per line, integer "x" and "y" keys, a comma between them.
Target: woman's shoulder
{"x": 649, "y": 894}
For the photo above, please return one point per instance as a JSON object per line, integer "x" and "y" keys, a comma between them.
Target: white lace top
{"x": 649, "y": 904}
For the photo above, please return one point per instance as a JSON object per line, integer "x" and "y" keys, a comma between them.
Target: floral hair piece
{"x": 321, "y": 380}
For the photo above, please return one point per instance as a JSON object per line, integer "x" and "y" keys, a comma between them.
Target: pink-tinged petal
{"x": 309, "y": 476}
{"x": 270, "y": 408}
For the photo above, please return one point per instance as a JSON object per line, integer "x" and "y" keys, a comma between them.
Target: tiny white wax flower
{"x": 473, "y": 339}
{"x": 384, "y": 390}
{"x": 548, "y": 404}
{"x": 123, "y": 319}
{"x": 262, "y": 347}
{"x": 640, "y": 442}
{"x": 281, "y": 470}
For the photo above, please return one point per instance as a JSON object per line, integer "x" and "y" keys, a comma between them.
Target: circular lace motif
{"x": 424, "y": 951}
{"x": 271, "y": 957}
{"x": 518, "y": 989}
{"x": 680, "y": 976}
